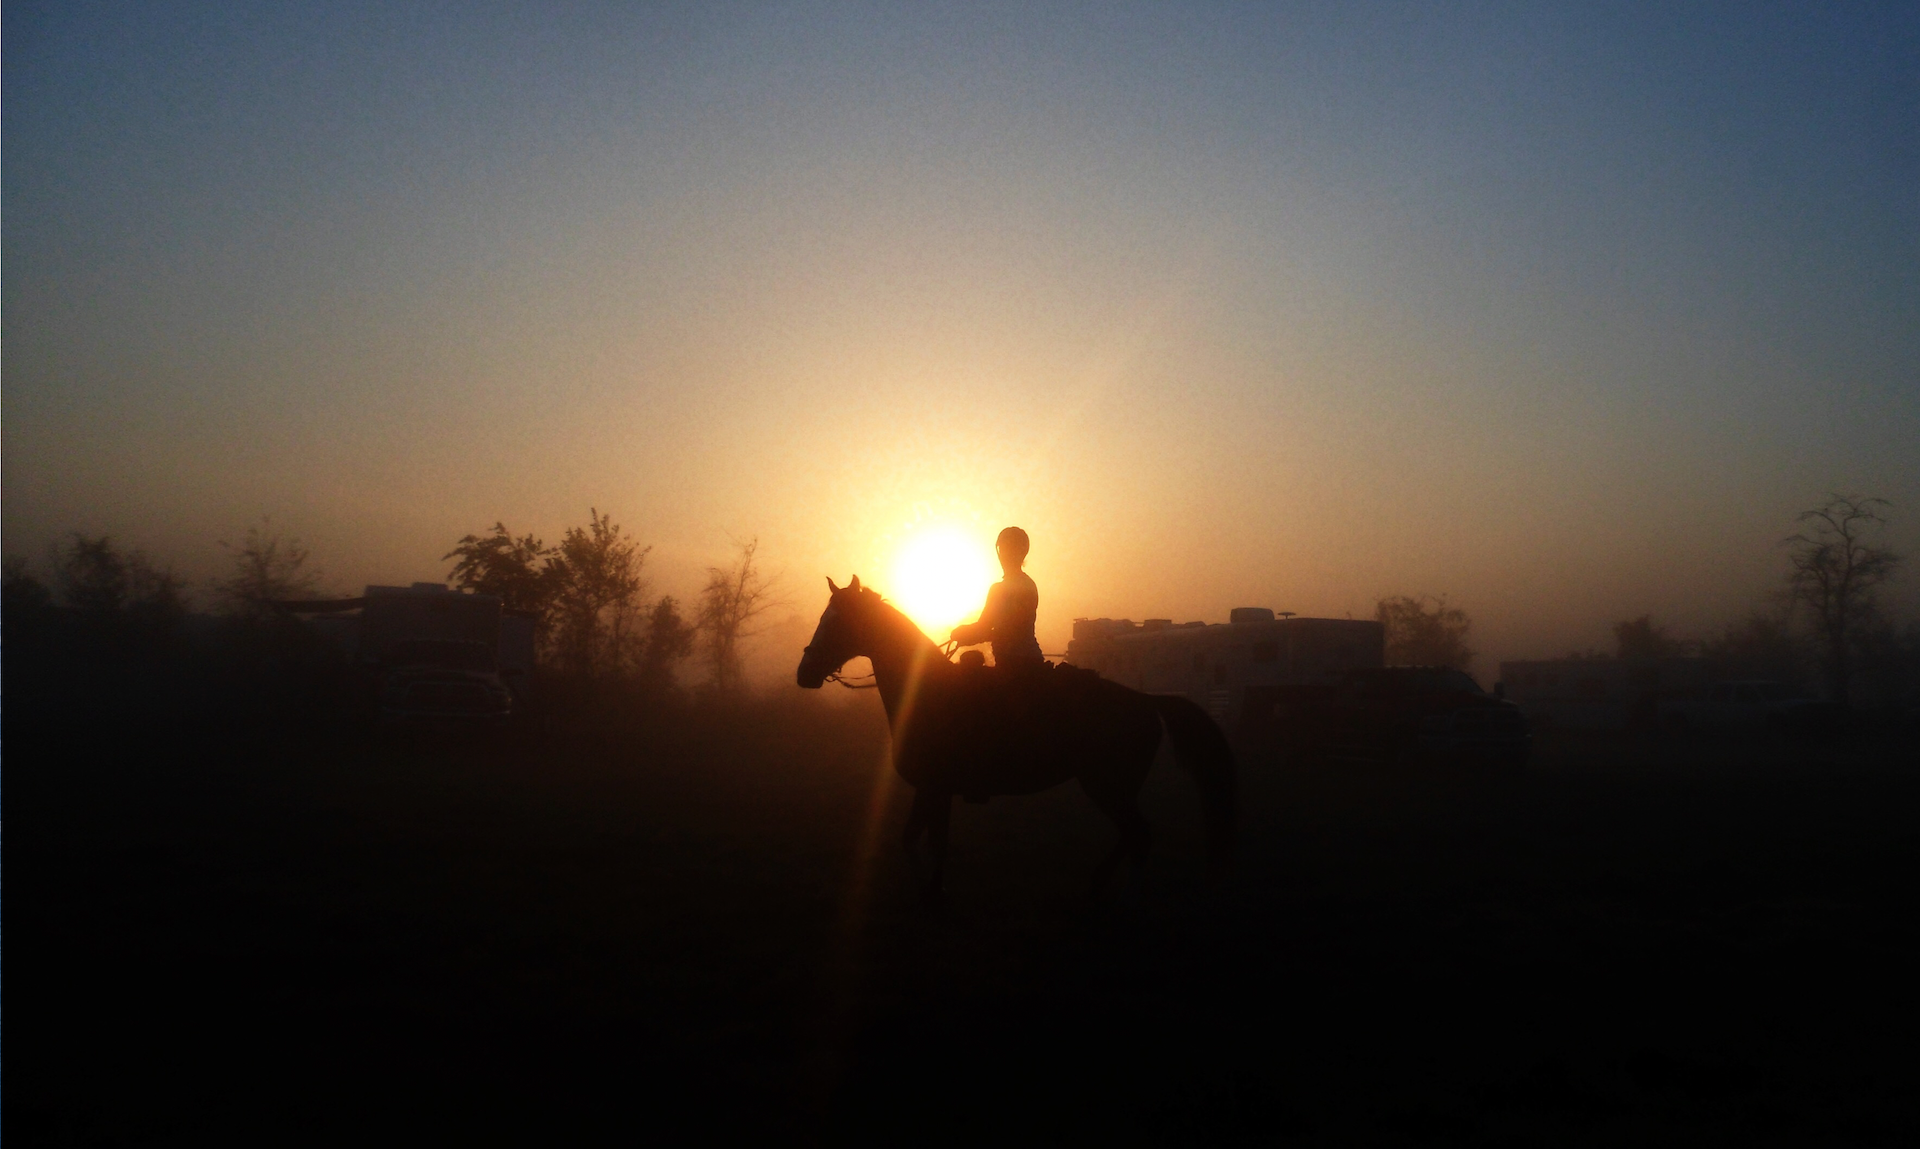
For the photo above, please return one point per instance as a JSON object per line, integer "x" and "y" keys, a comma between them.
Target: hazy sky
{"x": 1564, "y": 312}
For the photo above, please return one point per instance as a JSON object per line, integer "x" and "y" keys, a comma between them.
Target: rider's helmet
{"x": 1013, "y": 540}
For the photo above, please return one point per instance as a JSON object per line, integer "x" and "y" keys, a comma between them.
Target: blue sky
{"x": 1563, "y": 311}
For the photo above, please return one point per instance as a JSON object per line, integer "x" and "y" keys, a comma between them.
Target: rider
{"x": 1007, "y": 621}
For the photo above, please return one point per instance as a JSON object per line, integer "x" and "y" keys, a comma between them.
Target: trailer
{"x": 1236, "y": 670}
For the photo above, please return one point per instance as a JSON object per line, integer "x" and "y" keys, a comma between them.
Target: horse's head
{"x": 845, "y": 632}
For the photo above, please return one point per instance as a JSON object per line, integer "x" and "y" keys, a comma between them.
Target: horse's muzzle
{"x": 812, "y": 673}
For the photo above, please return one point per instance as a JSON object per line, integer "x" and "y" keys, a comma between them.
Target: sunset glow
{"x": 940, "y": 578}
{"x": 820, "y": 568}
{"x": 1564, "y": 317}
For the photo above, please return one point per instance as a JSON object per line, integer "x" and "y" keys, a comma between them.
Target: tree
{"x": 96, "y": 578}
{"x": 26, "y": 608}
{"x": 734, "y": 597}
{"x": 596, "y": 592}
{"x": 155, "y": 597}
{"x": 20, "y": 592}
{"x": 514, "y": 569}
{"x": 669, "y": 639}
{"x": 1762, "y": 645}
{"x": 266, "y": 569}
{"x": 1835, "y": 572}
{"x": 1888, "y": 662}
{"x": 1640, "y": 638}
{"x": 1424, "y": 631}
{"x": 91, "y": 575}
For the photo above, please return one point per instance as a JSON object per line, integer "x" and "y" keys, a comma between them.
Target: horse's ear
{"x": 831, "y": 589}
{"x": 855, "y": 584}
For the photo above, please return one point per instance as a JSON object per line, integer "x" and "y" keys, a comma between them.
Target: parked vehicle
{"x": 1391, "y": 713}
{"x": 1306, "y": 686}
{"x": 430, "y": 654}
{"x": 441, "y": 681}
{"x": 1229, "y": 669}
{"x": 1599, "y": 693}
{"x": 1752, "y": 707}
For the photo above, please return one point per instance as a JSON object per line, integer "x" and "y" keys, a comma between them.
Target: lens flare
{"x": 940, "y": 578}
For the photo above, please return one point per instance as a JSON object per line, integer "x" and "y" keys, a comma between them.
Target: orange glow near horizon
{"x": 939, "y": 577}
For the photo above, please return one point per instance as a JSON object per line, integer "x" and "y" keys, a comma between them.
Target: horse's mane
{"x": 873, "y": 600}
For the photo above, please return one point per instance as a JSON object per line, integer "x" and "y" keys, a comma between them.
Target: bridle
{"x": 860, "y": 683}
{"x": 869, "y": 680}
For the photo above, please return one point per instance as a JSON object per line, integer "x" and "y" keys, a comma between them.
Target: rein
{"x": 870, "y": 680}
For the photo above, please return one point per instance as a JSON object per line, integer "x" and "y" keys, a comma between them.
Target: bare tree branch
{"x": 266, "y": 567}
{"x": 734, "y": 596}
{"x": 1419, "y": 634}
{"x": 1835, "y": 571}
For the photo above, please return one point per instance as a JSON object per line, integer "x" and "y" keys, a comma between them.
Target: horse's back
{"x": 1027, "y": 734}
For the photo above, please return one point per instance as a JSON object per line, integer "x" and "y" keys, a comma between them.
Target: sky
{"x": 1564, "y": 312}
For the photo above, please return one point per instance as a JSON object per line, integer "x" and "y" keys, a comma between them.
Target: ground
{"x": 704, "y": 927}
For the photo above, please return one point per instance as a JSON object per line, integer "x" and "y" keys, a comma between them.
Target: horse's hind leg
{"x": 1135, "y": 840}
{"x": 931, "y": 814}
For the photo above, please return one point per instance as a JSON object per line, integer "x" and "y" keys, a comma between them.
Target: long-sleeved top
{"x": 1007, "y": 622}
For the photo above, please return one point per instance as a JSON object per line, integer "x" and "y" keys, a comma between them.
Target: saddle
{"x": 1045, "y": 677}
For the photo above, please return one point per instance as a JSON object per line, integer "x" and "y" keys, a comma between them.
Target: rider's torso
{"x": 1012, "y": 605}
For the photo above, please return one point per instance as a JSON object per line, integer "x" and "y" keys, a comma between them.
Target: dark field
{"x": 708, "y": 930}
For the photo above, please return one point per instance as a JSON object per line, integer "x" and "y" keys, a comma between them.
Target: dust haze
{"x": 1469, "y": 462}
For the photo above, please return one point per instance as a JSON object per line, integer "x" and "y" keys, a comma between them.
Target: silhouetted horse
{"x": 979, "y": 732}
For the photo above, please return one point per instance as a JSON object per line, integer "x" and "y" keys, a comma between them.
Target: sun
{"x": 940, "y": 578}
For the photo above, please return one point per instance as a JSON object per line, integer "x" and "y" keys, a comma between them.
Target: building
{"x": 1218, "y": 665}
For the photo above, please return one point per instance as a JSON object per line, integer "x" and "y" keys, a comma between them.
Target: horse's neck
{"x": 903, "y": 659}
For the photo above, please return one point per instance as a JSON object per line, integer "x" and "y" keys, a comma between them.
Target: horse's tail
{"x": 1203, "y": 752}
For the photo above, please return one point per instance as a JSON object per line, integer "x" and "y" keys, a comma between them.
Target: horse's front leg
{"x": 918, "y": 820}
{"x": 936, "y": 891}
{"x": 931, "y": 814}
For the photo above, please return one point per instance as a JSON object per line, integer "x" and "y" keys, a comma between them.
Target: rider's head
{"x": 1011, "y": 546}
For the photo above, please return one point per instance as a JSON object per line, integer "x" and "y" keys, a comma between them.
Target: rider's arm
{"x": 975, "y": 633}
